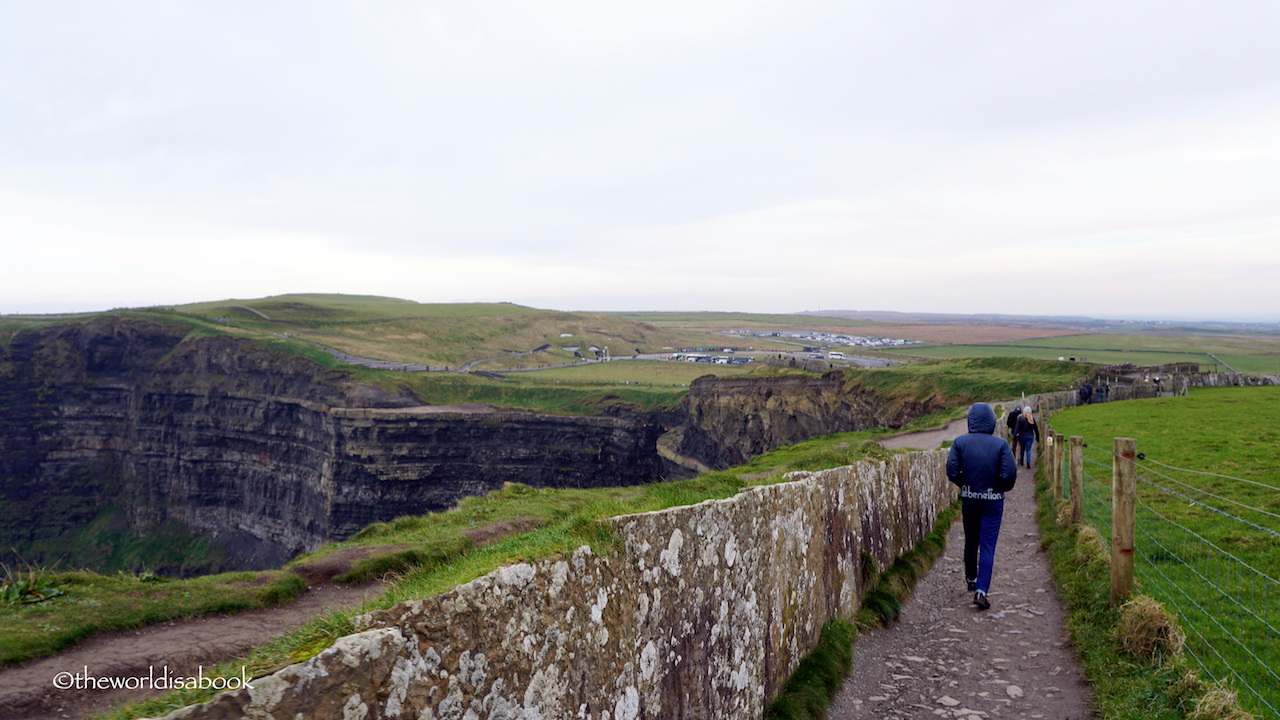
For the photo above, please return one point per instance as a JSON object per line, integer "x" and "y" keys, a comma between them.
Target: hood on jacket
{"x": 982, "y": 419}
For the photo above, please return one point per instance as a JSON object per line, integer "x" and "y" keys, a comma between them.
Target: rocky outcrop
{"x": 704, "y": 614}
{"x": 727, "y": 421}
{"x": 264, "y": 452}
{"x": 268, "y": 454}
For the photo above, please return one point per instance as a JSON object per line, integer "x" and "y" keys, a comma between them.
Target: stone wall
{"x": 1227, "y": 380}
{"x": 704, "y": 614}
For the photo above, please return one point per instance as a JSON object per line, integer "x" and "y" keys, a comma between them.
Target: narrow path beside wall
{"x": 945, "y": 658}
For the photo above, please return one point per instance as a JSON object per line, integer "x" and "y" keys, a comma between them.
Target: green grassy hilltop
{"x": 442, "y": 334}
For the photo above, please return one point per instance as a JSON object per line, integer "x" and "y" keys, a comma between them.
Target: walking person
{"x": 1011, "y": 420}
{"x": 1028, "y": 432}
{"x": 983, "y": 466}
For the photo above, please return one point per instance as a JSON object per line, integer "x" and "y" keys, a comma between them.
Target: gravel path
{"x": 947, "y": 659}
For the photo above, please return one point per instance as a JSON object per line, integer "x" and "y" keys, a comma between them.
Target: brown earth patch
{"x": 325, "y": 569}
{"x": 502, "y": 528}
{"x": 259, "y": 581}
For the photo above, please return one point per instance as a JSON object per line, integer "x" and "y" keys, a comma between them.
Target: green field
{"x": 1208, "y": 520}
{"x": 1244, "y": 353}
{"x": 645, "y": 372}
{"x": 1100, "y": 357}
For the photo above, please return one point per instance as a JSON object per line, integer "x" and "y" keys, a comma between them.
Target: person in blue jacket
{"x": 984, "y": 468}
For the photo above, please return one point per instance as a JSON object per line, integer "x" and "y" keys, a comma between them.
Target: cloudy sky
{"x": 1100, "y": 158}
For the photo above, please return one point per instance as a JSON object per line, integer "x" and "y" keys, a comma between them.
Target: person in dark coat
{"x": 1012, "y": 421}
{"x": 1028, "y": 432}
{"x": 983, "y": 466}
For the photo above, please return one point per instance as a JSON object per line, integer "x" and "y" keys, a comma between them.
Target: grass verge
{"x": 1125, "y": 685}
{"x": 1205, "y": 518}
{"x": 44, "y": 612}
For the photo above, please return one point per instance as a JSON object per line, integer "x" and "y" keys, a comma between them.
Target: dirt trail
{"x": 27, "y": 691}
{"x": 927, "y": 439}
{"x": 947, "y": 659}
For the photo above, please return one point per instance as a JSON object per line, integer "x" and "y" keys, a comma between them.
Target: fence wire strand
{"x": 1205, "y": 641}
{"x": 1217, "y": 497}
{"x": 1226, "y": 603}
{"x": 1224, "y": 513}
{"x": 1211, "y": 583}
{"x": 1205, "y": 540}
{"x": 1204, "y": 472}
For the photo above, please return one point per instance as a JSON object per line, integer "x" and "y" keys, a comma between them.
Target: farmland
{"x": 1208, "y": 520}
{"x": 1258, "y": 353}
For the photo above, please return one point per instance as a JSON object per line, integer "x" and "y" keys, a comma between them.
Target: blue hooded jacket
{"x": 981, "y": 462}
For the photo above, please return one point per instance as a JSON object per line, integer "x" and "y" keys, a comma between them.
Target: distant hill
{"x": 439, "y": 334}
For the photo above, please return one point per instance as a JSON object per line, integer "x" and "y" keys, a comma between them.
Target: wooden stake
{"x": 1124, "y": 485}
{"x": 1077, "y": 478}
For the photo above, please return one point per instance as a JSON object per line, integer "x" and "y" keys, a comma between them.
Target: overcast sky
{"x": 1070, "y": 158}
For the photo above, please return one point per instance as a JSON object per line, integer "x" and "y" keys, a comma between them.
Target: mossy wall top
{"x": 704, "y": 613}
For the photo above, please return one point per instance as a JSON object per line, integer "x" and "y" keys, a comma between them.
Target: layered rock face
{"x": 266, "y": 453}
{"x": 727, "y": 421}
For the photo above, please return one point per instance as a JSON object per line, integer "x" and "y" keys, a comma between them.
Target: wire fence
{"x": 1208, "y": 557}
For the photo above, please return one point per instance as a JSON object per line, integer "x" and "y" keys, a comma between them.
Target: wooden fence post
{"x": 1047, "y": 458}
{"x": 1124, "y": 485}
{"x": 1055, "y": 466}
{"x": 1077, "y": 479}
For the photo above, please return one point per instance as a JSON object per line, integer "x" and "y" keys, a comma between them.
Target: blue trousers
{"x": 1026, "y": 444}
{"x": 981, "y": 530}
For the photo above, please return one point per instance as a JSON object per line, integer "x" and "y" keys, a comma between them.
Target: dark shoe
{"x": 970, "y": 585}
{"x": 980, "y": 599}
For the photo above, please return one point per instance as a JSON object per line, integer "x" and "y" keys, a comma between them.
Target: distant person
{"x": 1011, "y": 421}
{"x": 982, "y": 465}
{"x": 1028, "y": 432}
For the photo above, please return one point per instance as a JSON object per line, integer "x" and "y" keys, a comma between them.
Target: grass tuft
{"x": 880, "y": 609}
{"x": 1148, "y": 631}
{"x": 1219, "y": 703}
{"x": 1090, "y": 548}
{"x": 817, "y": 679}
